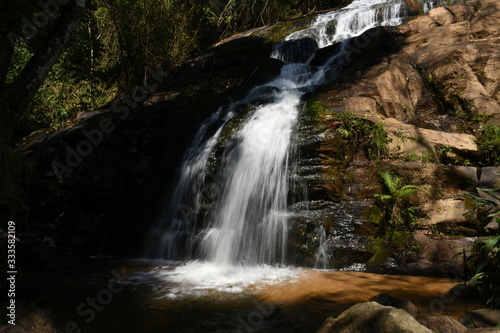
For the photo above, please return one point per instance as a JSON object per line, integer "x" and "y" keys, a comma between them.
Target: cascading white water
{"x": 179, "y": 217}
{"x": 247, "y": 223}
{"x": 350, "y": 21}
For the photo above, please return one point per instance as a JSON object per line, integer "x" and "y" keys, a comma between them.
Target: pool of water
{"x": 145, "y": 296}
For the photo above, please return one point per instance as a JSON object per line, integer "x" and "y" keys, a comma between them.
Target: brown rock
{"x": 445, "y": 210}
{"x": 481, "y": 318}
{"x": 411, "y": 139}
{"x": 361, "y": 106}
{"x": 461, "y": 11}
{"x": 441, "y": 16}
{"x": 437, "y": 257}
{"x": 372, "y": 317}
{"x": 422, "y": 24}
{"x": 443, "y": 324}
{"x": 398, "y": 303}
{"x": 490, "y": 178}
{"x": 30, "y": 318}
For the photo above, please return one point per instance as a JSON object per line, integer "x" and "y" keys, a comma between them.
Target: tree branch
{"x": 34, "y": 73}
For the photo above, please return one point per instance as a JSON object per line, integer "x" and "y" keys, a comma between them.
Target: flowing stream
{"x": 229, "y": 207}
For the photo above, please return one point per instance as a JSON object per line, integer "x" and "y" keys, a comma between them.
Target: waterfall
{"x": 179, "y": 218}
{"x": 249, "y": 222}
{"x": 245, "y": 220}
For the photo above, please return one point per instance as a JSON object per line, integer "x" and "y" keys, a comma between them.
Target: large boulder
{"x": 371, "y": 317}
{"x": 441, "y": 16}
{"x": 422, "y": 24}
{"x": 461, "y": 11}
{"x": 436, "y": 257}
{"x": 403, "y": 304}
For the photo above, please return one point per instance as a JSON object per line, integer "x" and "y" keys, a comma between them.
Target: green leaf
{"x": 491, "y": 244}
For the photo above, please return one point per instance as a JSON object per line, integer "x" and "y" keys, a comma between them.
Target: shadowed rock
{"x": 372, "y": 317}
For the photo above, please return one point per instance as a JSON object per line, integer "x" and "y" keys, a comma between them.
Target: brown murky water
{"x": 98, "y": 300}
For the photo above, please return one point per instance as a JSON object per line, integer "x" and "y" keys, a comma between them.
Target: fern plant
{"x": 393, "y": 215}
{"x": 398, "y": 214}
{"x": 488, "y": 205}
{"x": 486, "y": 258}
{"x": 487, "y": 276}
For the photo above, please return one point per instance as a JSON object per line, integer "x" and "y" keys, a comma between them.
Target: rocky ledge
{"x": 432, "y": 84}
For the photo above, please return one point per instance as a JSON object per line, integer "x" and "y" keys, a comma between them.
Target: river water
{"x": 135, "y": 296}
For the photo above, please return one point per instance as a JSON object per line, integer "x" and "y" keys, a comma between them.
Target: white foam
{"x": 201, "y": 278}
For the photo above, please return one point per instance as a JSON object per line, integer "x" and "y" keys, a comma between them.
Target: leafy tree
{"x": 33, "y": 36}
{"x": 46, "y": 30}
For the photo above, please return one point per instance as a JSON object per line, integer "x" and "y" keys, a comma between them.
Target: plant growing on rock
{"x": 487, "y": 264}
{"x": 488, "y": 143}
{"x": 393, "y": 215}
{"x": 487, "y": 205}
{"x": 486, "y": 258}
{"x": 371, "y": 137}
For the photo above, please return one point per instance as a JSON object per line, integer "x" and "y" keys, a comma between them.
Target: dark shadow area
{"x": 101, "y": 181}
{"x": 365, "y": 51}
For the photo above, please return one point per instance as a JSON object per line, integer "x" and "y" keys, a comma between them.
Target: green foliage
{"x": 361, "y": 133}
{"x": 488, "y": 142}
{"x": 486, "y": 258}
{"x": 487, "y": 205}
{"x": 315, "y": 109}
{"x": 20, "y": 58}
{"x": 116, "y": 40}
{"x": 393, "y": 216}
{"x": 487, "y": 264}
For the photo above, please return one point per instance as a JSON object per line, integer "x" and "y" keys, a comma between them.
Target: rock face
{"x": 436, "y": 257}
{"x": 372, "y": 317}
{"x": 433, "y": 74}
